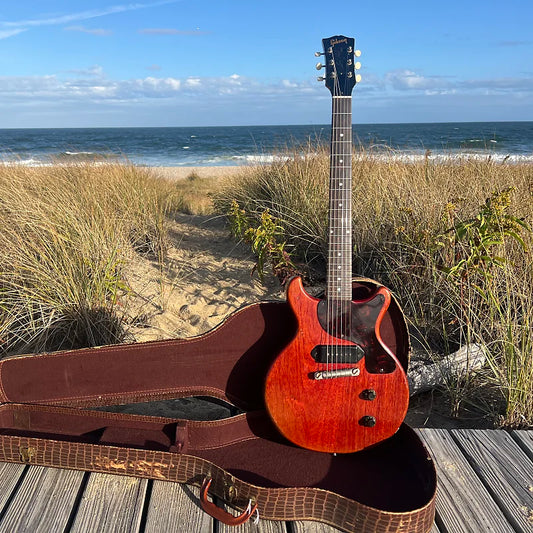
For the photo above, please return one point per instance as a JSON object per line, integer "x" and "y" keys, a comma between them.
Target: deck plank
{"x": 110, "y": 503}
{"x": 174, "y": 507}
{"x": 10, "y": 474}
{"x": 463, "y": 503}
{"x": 43, "y": 501}
{"x": 525, "y": 441}
{"x": 263, "y": 526}
{"x": 505, "y": 469}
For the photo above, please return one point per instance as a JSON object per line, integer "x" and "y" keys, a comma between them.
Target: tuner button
{"x": 367, "y": 421}
{"x": 357, "y": 78}
{"x": 318, "y": 54}
{"x": 357, "y": 65}
{"x": 321, "y": 78}
{"x": 357, "y": 53}
{"x": 319, "y": 66}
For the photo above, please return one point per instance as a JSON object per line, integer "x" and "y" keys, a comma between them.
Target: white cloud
{"x": 410, "y": 81}
{"x": 92, "y": 84}
{"x": 4, "y": 34}
{"x": 405, "y": 79}
{"x": 499, "y": 84}
{"x": 91, "y": 31}
{"x": 22, "y": 25}
{"x": 287, "y": 83}
{"x": 171, "y": 31}
{"x": 82, "y": 15}
{"x": 95, "y": 70}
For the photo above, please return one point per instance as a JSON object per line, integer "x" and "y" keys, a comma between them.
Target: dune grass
{"x": 66, "y": 233}
{"x": 450, "y": 237}
{"x": 195, "y": 194}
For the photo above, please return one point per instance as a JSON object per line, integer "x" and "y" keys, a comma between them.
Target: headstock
{"x": 340, "y": 65}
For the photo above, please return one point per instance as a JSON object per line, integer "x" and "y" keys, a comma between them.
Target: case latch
{"x": 27, "y": 454}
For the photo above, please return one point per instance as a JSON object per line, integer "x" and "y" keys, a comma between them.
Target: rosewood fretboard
{"x": 339, "y": 276}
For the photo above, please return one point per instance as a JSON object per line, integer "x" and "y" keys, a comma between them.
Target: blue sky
{"x": 231, "y": 62}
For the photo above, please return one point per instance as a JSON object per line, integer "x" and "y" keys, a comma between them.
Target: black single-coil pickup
{"x": 330, "y": 353}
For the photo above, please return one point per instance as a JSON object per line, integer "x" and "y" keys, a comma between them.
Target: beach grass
{"x": 66, "y": 232}
{"x": 451, "y": 237}
{"x": 196, "y": 193}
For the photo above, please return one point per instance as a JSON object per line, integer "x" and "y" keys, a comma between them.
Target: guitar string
{"x": 334, "y": 219}
{"x": 341, "y": 171}
{"x": 338, "y": 230}
{"x": 349, "y": 247}
{"x": 347, "y": 219}
{"x": 331, "y": 247}
{"x": 331, "y": 233}
{"x": 339, "y": 309}
{"x": 339, "y": 212}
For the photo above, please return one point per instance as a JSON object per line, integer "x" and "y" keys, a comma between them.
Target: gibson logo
{"x": 338, "y": 41}
{"x": 142, "y": 468}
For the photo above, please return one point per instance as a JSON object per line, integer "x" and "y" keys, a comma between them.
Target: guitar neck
{"x": 339, "y": 277}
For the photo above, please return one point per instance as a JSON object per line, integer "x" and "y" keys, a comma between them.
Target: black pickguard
{"x": 355, "y": 322}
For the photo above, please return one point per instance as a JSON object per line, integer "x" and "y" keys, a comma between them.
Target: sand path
{"x": 207, "y": 275}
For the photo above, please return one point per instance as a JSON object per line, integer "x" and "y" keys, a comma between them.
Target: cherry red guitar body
{"x": 328, "y": 402}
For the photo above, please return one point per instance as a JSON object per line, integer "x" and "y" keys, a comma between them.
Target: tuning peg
{"x": 319, "y": 66}
{"x": 318, "y": 54}
{"x": 357, "y": 53}
{"x": 357, "y": 78}
{"x": 321, "y": 78}
{"x": 357, "y": 65}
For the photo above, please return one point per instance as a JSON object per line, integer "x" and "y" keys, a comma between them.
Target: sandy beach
{"x": 177, "y": 173}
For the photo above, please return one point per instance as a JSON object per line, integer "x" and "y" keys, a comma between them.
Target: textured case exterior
{"x": 388, "y": 488}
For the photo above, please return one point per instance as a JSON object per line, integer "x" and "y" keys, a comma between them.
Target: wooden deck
{"x": 485, "y": 485}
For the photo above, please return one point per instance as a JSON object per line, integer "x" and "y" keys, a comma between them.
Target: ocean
{"x": 221, "y": 146}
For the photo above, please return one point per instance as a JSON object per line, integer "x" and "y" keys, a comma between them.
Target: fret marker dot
{"x": 342, "y": 134}
{"x": 340, "y": 161}
{"x": 339, "y": 290}
{"x": 340, "y": 205}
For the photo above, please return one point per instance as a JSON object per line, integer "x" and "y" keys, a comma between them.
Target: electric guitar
{"x": 337, "y": 387}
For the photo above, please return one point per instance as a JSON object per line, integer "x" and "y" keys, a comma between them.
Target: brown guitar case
{"x": 45, "y": 419}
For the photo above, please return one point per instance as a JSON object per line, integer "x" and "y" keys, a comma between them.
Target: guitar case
{"x": 46, "y": 418}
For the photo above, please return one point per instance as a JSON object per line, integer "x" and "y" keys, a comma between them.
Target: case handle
{"x": 218, "y": 513}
